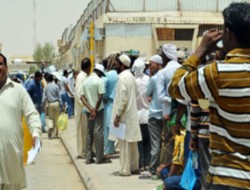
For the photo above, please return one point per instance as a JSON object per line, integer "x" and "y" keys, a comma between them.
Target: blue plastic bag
{"x": 189, "y": 176}
{"x": 43, "y": 121}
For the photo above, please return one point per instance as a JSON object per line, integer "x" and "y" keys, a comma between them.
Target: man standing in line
{"x": 110, "y": 82}
{"x": 71, "y": 84}
{"x": 15, "y": 103}
{"x": 125, "y": 111}
{"x": 93, "y": 90}
{"x": 155, "y": 116}
{"x": 169, "y": 57}
{"x": 141, "y": 80}
{"x": 80, "y": 116}
{"x": 226, "y": 85}
{"x": 64, "y": 90}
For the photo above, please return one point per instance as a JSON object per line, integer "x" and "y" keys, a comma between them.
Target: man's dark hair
{"x": 38, "y": 74}
{"x": 237, "y": 19}
{"x": 50, "y": 77}
{"x": 65, "y": 72}
{"x": 85, "y": 63}
{"x": 4, "y": 59}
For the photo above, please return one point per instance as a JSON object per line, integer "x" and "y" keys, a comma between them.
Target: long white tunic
{"x": 15, "y": 103}
{"x": 80, "y": 118}
{"x": 125, "y": 106}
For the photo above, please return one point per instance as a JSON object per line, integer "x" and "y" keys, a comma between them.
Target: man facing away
{"x": 226, "y": 84}
{"x": 169, "y": 57}
{"x": 125, "y": 111}
{"x": 93, "y": 90}
{"x": 52, "y": 95}
{"x": 35, "y": 91}
{"x": 141, "y": 80}
{"x": 110, "y": 82}
{"x": 15, "y": 103}
{"x": 80, "y": 116}
{"x": 64, "y": 90}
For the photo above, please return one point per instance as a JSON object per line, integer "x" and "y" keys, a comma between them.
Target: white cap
{"x": 219, "y": 44}
{"x": 156, "y": 59}
{"x": 125, "y": 60}
{"x": 138, "y": 66}
{"x": 170, "y": 51}
{"x": 99, "y": 67}
{"x": 181, "y": 56}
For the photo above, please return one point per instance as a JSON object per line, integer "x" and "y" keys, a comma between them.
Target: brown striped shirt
{"x": 227, "y": 86}
{"x": 199, "y": 120}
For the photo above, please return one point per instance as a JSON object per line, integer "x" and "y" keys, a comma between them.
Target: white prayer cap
{"x": 219, "y": 44}
{"x": 181, "y": 56}
{"x": 125, "y": 60}
{"x": 156, "y": 59}
{"x": 138, "y": 66}
{"x": 100, "y": 68}
{"x": 170, "y": 51}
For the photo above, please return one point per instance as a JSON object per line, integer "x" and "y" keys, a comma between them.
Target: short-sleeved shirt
{"x": 92, "y": 87}
{"x": 63, "y": 82}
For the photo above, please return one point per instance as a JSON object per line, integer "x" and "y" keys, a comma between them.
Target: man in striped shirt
{"x": 227, "y": 86}
{"x": 199, "y": 116}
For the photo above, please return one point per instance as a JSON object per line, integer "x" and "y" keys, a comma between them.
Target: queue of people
{"x": 182, "y": 108}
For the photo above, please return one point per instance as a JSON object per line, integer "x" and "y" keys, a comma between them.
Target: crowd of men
{"x": 171, "y": 105}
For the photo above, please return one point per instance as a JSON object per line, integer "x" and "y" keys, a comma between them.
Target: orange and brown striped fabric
{"x": 227, "y": 86}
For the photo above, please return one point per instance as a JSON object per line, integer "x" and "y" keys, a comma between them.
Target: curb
{"x": 90, "y": 182}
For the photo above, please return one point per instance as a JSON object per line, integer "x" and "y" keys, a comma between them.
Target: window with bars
{"x": 205, "y": 27}
{"x": 171, "y": 34}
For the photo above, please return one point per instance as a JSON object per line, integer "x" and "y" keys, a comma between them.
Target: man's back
{"x": 92, "y": 87}
{"x": 62, "y": 84}
{"x": 79, "y": 86}
{"x": 35, "y": 91}
{"x": 125, "y": 105}
{"x": 226, "y": 85}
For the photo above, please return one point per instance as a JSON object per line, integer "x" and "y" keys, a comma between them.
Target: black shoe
{"x": 104, "y": 161}
{"x": 81, "y": 157}
{"x": 49, "y": 134}
{"x": 90, "y": 161}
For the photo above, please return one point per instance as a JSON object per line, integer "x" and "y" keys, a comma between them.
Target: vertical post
{"x": 92, "y": 44}
{"x": 34, "y": 22}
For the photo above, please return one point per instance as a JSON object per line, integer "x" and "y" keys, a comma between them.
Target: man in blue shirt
{"x": 155, "y": 117}
{"x": 35, "y": 91}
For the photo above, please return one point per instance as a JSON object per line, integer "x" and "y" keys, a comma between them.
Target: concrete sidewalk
{"x": 102, "y": 176}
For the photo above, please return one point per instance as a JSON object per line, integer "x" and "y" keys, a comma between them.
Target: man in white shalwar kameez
{"x": 15, "y": 103}
{"x": 125, "y": 111}
{"x": 80, "y": 116}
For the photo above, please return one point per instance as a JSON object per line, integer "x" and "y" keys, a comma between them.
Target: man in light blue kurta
{"x": 110, "y": 82}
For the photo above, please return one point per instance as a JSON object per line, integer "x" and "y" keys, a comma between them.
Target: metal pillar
{"x": 92, "y": 44}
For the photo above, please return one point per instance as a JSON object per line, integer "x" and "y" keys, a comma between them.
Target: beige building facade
{"x": 143, "y": 25}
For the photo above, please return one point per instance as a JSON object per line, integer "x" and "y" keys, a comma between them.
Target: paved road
{"x": 53, "y": 169}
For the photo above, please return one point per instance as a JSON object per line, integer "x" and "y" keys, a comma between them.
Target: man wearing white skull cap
{"x": 155, "y": 64}
{"x": 169, "y": 57}
{"x": 141, "y": 80}
{"x": 155, "y": 117}
{"x": 125, "y": 111}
